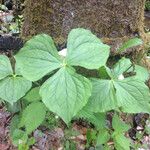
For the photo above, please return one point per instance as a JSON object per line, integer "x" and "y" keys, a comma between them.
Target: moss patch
{"x": 114, "y": 21}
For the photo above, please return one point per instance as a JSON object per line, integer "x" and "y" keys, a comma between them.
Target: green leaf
{"x": 32, "y": 116}
{"x": 141, "y": 73}
{"x": 5, "y": 67}
{"x": 13, "y": 88}
{"x": 23, "y": 146}
{"x": 19, "y": 137}
{"x": 133, "y": 96}
{"x": 72, "y": 145}
{"x": 121, "y": 142}
{"x": 121, "y": 66}
{"x": 103, "y": 96}
{"x": 98, "y": 119}
{"x": 103, "y": 137}
{"x": 86, "y": 50}
{"x": 71, "y": 132}
{"x": 14, "y": 124}
{"x": 107, "y": 147}
{"x": 33, "y": 95}
{"x": 147, "y": 126}
{"x": 17, "y": 69}
{"x": 15, "y": 108}
{"x": 31, "y": 141}
{"x": 65, "y": 93}
{"x": 38, "y": 57}
{"x": 67, "y": 145}
{"x": 105, "y": 73}
{"x": 91, "y": 136}
{"x": 131, "y": 43}
{"x": 118, "y": 125}
{"x": 78, "y": 36}
{"x": 99, "y": 147}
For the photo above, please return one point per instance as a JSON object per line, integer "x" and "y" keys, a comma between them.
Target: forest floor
{"x": 54, "y": 139}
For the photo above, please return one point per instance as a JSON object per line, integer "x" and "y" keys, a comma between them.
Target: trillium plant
{"x": 67, "y": 93}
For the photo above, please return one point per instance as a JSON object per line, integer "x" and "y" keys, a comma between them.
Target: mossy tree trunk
{"x": 114, "y": 21}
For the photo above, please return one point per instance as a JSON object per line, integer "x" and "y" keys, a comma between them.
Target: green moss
{"x": 113, "y": 21}
{"x": 147, "y": 5}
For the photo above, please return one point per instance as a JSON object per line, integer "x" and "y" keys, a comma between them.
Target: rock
{"x": 8, "y": 43}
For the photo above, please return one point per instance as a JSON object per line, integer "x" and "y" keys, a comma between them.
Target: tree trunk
{"x": 113, "y": 21}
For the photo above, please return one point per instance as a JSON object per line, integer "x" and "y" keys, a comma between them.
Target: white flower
{"x": 121, "y": 77}
{"x": 63, "y": 52}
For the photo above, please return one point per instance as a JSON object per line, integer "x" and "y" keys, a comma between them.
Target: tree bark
{"x": 113, "y": 21}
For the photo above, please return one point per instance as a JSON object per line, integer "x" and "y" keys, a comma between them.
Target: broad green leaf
{"x": 118, "y": 125}
{"x": 133, "y": 96}
{"x": 13, "y": 88}
{"x": 14, "y": 124}
{"x": 141, "y": 73}
{"x": 38, "y": 57}
{"x": 121, "y": 66}
{"x": 43, "y": 42}
{"x": 121, "y": 142}
{"x": 131, "y": 43}
{"x": 17, "y": 69}
{"x": 103, "y": 137}
{"x": 79, "y": 36}
{"x": 32, "y": 116}
{"x": 66, "y": 93}
{"x": 5, "y": 67}
{"x": 98, "y": 119}
{"x": 86, "y": 50}
{"x": 19, "y": 137}
{"x": 33, "y": 95}
{"x": 103, "y": 96}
